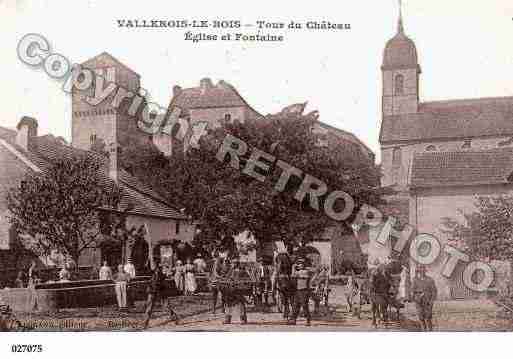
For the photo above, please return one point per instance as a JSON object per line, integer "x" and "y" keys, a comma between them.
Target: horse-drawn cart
{"x": 237, "y": 284}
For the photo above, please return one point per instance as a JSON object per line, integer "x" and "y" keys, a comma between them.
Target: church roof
{"x": 451, "y": 119}
{"x": 400, "y": 51}
{"x": 462, "y": 168}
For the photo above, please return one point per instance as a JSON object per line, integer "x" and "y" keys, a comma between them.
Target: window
{"x": 467, "y": 144}
{"x": 399, "y": 84}
{"x": 92, "y": 138}
{"x": 396, "y": 157}
{"x": 431, "y": 148}
{"x": 177, "y": 227}
{"x": 505, "y": 142}
{"x": 227, "y": 117}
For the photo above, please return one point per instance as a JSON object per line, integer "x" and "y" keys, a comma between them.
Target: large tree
{"x": 60, "y": 209}
{"x": 226, "y": 201}
{"x": 486, "y": 232}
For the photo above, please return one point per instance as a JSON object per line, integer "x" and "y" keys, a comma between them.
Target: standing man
{"x": 233, "y": 297}
{"x": 105, "y": 272}
{"x": 263, "y": 284}
{"x": 302, "y": 295}
{"x": 130, "y": 269}
{"x": 199, "y": 264}
{"x": 424, "y": 295}
{"x": 121, "y": 280}
{"x": 380, "y": 287}
{"x": 220, "y": 269}
{"x": 156, "y": 293}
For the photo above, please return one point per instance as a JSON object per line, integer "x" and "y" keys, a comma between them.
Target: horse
{"x": 284, "y": 283}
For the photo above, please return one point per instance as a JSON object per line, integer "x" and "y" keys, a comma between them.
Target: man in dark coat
{"x": 424, "y": 294}
{"x": 233, "y": 297}
{"x": 380, "y": 287}
{"x": 263, "y": 287}
{"x": 302, "y": 295}
{"x": 220, "y": 270}
{"x": 155, "y": 291}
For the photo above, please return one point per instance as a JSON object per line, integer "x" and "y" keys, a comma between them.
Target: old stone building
{"x": 439, "y": 155}
{"x": 107, "y": 121}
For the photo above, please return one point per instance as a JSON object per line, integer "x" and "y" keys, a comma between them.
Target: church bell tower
{"x": 401, "y": 73}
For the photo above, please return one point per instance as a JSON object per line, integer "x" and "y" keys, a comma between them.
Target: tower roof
{"x": 400, "y": 51}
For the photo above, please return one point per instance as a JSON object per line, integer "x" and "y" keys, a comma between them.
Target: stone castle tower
{"x": 103, "y": 121}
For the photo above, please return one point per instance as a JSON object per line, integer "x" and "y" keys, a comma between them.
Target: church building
{"x": 440, "y": 155}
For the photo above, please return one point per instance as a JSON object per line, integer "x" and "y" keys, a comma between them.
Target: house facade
{"x": 22, "y": 151}
{"x": 440, "y": 155}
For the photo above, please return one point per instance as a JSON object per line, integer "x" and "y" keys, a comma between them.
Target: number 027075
{"x": 26, "y": 348}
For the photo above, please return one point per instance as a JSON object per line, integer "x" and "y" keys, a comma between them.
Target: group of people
{"x": 185, "y": 274}
{"x": 124, "y": 274}
{"x": 31, "y": 277}
{"x": 380, "y": 291}
{"x": 265, "y": 287}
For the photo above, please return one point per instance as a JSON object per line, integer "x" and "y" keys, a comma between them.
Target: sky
{"x": 465, "y": 51}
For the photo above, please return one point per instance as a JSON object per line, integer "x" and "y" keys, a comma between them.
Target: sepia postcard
{"x": 255, "y": 167}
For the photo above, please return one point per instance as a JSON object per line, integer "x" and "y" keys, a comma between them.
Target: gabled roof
{"x": 105, "y": 59}
{"x": 142, "y": 198}
{"x": 220, "y": 95}
{"x": 451, "y": 119}
{"x": 7, "y": 134}
{"x": 462, "y": 168}
{"x": 345, "y": 135}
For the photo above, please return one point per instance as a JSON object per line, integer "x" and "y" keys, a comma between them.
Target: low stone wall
{"x": 77, "y": 294}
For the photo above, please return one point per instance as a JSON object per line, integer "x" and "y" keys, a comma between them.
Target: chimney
{"x": 27, "y": 132}
{"x": 113, "y": 162}
{"x": 177, "y": 90}
{"x": 205, "y": 84}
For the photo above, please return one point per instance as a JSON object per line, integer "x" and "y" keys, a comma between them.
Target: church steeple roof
{"x": 400, "y": 28}
{"x": 400, "y": 51}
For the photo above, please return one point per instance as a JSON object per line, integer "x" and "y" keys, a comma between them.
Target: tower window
{"x": 396, "y": 157}
{"x": 399, "y": 84}
{"x": 467, "y": 144}
{"x": 227, "y": 117}
{"x": 92, "y": 138}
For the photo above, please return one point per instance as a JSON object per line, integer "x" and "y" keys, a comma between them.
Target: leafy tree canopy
{"x": 225, "y": 200}
{"x": 488, "y": 231}
{"x": 59, "y": 208}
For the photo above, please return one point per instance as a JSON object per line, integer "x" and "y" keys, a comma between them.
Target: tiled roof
{"x": 104, "y": 60}
{"x": 210, "y": 96}
{"x": 7, "y": 134}
{"x": 346, "y": 135}
{"x": 144, "y": 200}
{"x": 400, "y": 52}
{"x": 451, "y": 119}
{"x": 462, "y": 168}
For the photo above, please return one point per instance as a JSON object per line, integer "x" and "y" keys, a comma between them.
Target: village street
{"x": 468, "y": 315}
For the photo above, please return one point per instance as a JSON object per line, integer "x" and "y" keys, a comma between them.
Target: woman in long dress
{"x": 179, "y": 276}
{"x": 350, "y": 290}
{"x": 190, "y": 278}
{"x": 402, "y": 293}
